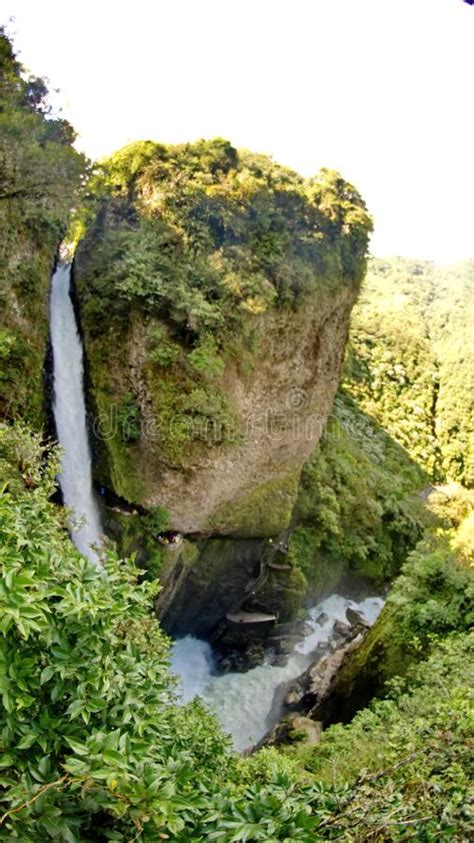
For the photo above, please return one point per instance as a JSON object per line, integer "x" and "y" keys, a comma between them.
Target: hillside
{"x": 411, "y": 360}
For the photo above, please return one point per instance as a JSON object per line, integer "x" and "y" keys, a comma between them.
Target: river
{"x": 243, "y": 702}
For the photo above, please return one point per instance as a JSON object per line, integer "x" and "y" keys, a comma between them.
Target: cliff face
{"x": 241, "y": 479}
{"x": 215, "y": 292}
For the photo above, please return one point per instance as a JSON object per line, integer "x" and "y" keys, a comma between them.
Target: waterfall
{"x": 244, "y": 702}
{"x": 70, "y": 417}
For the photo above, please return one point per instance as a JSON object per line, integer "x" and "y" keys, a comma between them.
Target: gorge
{"x": 245, "y": 702}
{"x": 284, "y": 515}
{"x": 242, "y": 701}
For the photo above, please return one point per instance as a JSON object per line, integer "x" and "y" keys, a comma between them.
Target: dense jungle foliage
{"x": 411, "y": 360}
{"x": 93, "y": 747}
{"x": 92, "y": 744}
{"x": 203, "y": 234}
{"x": 40, "y": 175}
{"x": 358, "y": 511}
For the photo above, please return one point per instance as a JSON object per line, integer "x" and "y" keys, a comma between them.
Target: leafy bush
{"x": 205, "y": 357}
{"x": 92, "y": 747}
{"x": 435, "y": 593}
{"x": 163, "y": 352}
{"x": 157, "y": 519}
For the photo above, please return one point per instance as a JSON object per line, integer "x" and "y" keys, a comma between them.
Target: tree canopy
{"x": 410, "y": 360}
{"x": 202, "y": 233}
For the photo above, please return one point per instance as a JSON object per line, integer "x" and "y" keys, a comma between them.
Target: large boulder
{"x": 215, "y": 291}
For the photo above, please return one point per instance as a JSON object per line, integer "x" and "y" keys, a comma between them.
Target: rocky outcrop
{"x": 365, "y": 670}
{"x": 294, "y": 728}
{"x": 245, "y": 486}
{"x": 227, "y": 576}
{"x": 216, "y": 289}
{"x": 311, "y": 691}
{"x": 310, "y": 702}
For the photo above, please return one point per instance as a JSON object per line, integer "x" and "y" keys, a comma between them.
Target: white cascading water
{"x": 70, "y": 418}
{"x": 243, "y": 702}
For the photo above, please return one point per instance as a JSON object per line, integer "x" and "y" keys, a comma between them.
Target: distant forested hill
{"x": 410, "y": 362}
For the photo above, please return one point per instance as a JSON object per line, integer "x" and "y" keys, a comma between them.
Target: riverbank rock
{"x": 241, "y": 662}
{"x": 311, "y": 694}
{"x": 355, "y": 618}
{"x": 292, "y": 729}
{"x": 322, "y": 619}
{"x": 311, "y": 689}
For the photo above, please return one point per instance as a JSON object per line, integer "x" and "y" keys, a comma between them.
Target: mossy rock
{"x": 265, "y": 512}
{"x": 382, "y": 656}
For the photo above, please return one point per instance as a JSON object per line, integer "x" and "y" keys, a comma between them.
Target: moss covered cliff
{"x": 39, "y": 178}
{"x": 215, "y": 290}
{"x": 432, "y": 598}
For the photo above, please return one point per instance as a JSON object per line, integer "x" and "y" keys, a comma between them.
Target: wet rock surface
{"x": 306, "y": 700}
{"x": 241, "y": 662}
{"x": 275, "y": 647}
{"x": 355, "y": 618}
{"x": 311, "y": 689}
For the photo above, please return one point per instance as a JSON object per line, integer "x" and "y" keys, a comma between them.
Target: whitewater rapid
{"x": 70, "y": 418}
{"x": 243, "y": 702}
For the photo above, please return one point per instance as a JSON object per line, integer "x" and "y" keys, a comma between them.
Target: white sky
{"x": 381, "y": 90}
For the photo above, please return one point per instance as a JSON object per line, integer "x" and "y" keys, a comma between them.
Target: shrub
{"x": 92, "y": 745}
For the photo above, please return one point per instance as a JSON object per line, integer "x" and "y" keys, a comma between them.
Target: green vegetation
{"x": 204, "y": 236}
{"x": 205, "y": 357}
{"x": 40, "y": 175}
{"x": 162, "y": 351}
{"x": 94, "y": 748}
{"x": 432, "y": 598}
{"x": 84, "y": 680}
{"x": 410, "y": 361}
{"x": 266, "y": 511}
{"x": 186, "y": 409}
{"x": 128, "y": 419}
{"x": 358, "y": 509}
{"x": 406, "y": 762}
{"x": 183, "y": 251}
{"x": 184, "y": 247}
